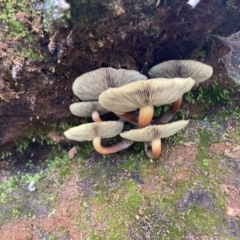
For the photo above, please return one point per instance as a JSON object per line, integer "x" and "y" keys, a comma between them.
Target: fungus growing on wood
{"x": 144, "y": 95}
{"x": 95, "y": 132}
{"x": 88, "y": 109}
{"x": 154, "y": 134}
{"x": 198, "y": 71}
{"x": 91, "y": 84}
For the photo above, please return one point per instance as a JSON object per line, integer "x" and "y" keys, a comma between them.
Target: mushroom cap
{"x": 85, "y": 109}
{"x": 88, "y": 131}
{"x": 182, "y": 68}
{"x": 89, "y": 85}
{"x": 152, "y": 92}
{"x": 149, "y": 133}
{"x": 125, "y": 76}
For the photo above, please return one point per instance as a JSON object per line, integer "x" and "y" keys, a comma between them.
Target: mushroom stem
{"x": 145, "y": 116}
{"x": 95, "y": 116}
{"x": 153, "y": 149}
{"x": 112, "y": 149}
{"x": 130, "y": 117}
{"x": 167, "y": 116}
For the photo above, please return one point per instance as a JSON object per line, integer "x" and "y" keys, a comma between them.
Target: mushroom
{"x": 95, "y": 132}
{"x": 88, "y": 109}
{"x": 144, "y": 95}
{"x": 154, "y": 134}
{"x": 89, "y": 85}
{"x": 198, "y": 71}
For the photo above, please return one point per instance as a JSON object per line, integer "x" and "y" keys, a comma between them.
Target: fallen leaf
{"x": 189, "y": 144}
{"x": 234, "y": 153}
{"x": 56, "y": 138}
{"x": 233, "y": 212}
{"x": 72, "y": 152}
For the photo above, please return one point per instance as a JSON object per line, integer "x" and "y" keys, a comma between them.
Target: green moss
{"x": 10, "y": 185}
{"x": 15, "y": 195}
{"x": 175, "y": 224}
{"x": 199, "y": 54}
{"x": 124, "y": 206}
{"x": 203, "y": 159}
{"x": 33, "y": 55}
{"x": 117, "y": 208}
{"x": 198, "y": 219}
{"x": 39, "y": 135}
{"x": 227, "y": 112}
{"x": 13, "y": 28}
{"x": 195, "y": 221}
{"x": 85, "y": 150}
{"x": 133, "y": 200}
{"x": 215, "y": 94}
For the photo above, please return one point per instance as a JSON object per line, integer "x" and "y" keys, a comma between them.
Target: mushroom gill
{"x": 90, "y": 85}
{"x": 95, "y": 132}
{"x": 198, "y": 71}
{"x": 154, "y": 134}
{"x": 144, "y": 95}
{"x": 88, "y": 109}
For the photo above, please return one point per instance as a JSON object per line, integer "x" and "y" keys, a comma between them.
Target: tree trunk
{"x": 41, "y": 57}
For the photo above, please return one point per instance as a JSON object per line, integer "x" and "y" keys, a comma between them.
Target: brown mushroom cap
{"x": 91, "y": 84}
{"x": 85, "y": 109}
{"x": 88, "y": 131}
{"x": 182, "y": 68}
{"x": 152, "y": 92}
{"x": 150, "y": 133}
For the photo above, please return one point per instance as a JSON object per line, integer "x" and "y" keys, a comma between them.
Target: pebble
{"x": 31, "y": 186}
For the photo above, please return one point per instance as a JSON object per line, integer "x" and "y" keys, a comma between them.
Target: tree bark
{"x": 39, "y": 67}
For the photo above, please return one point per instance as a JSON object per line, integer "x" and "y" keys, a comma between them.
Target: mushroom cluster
{"x": 125, "y": 91}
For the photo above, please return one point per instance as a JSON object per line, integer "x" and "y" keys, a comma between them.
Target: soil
{"x": 75, "y": 214}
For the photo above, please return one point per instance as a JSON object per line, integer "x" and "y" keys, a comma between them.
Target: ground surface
{"x": 191, "y": 192}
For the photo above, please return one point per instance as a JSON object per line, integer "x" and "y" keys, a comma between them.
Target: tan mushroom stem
{"x": 95, "y": 116}
{"x": 167, "y": 116}
{"x": 153, "y": 150}
{"x": 145, "y": 116}
{"x": 112, "y": 149}
{"x": 130, "y": 117}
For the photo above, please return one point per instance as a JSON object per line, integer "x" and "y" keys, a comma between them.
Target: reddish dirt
{"x": 180, "y": 157}
{"x": 67, "y": 216}
{"x": 223, "y": 150}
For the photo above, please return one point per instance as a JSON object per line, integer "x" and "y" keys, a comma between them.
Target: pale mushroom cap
{"x": 91, "y": 84}
{"x": 182, "y": 68}
{"x": 149, "y": 133}
{"x": 88, "y": 131}
{"x": 85, "y": 109}
{"x": 152, "y": 92}
{"x": 125, "y": 76}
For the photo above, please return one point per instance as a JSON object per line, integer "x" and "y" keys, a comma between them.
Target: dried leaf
{"x": 72, "y": 152}
{"x": 233, "y": 212}
{"x": 234, "y": 153}
{"x": 56, "y": 138}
